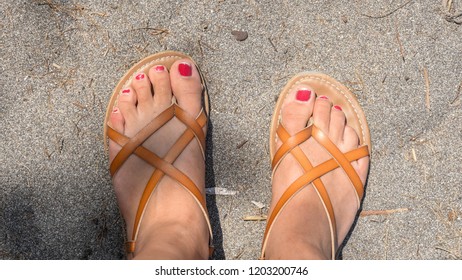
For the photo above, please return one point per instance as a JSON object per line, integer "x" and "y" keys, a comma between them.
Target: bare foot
{"x": 302, "y": 230}
{"x": 173, "y": 225}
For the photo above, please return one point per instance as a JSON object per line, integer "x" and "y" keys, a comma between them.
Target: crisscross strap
{"x": 194, "y": 129}
{"x": 290, "y": 144}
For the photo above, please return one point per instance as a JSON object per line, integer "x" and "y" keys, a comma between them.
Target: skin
{"x": 302, "y": 228}
{"x": 173, "y": 226}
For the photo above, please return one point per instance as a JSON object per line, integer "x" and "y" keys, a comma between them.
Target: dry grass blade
{"x": 389, "y": 13}
{"x": 401, "y": 48}
{"x": 255, "y": 218}
{"x": 459, "y": 89}
{"x": 382, "y": 212}
{"x": 453, "y": 254}
{"x": 427, "y": 88}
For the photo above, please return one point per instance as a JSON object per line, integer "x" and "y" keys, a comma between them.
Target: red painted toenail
{"x": 185, "y": 69}
{"x": 115, "y": 110}
{"x": 323, "y": 97}
{"x": 303, "y": 95}
{"x": 126, "y": 91}
{"x": 338, "y": 107}
{"x": 159, "y": 68}
{"x": 139, "y": 76}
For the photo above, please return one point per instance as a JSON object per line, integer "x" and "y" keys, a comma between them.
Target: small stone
{"x": 240, "y": 35}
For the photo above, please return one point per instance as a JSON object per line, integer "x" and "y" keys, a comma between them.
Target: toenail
{"x": 323, "y": 97}
{"x": 115, "y": 110}
{"x": 185, "y": 69}
{"x": 139, "y": 76}
{"x": 338, "y": 107}
{"x": 159, "y": 68}
{"x": 303, "y": 94}
{"x": 126, "y": 91}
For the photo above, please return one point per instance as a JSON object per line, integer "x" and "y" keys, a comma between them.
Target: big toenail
{"x": 126, "y": 91}
{"x": 303, "y": 94}
{"x": 338, "y": 107}
{"x": 185, "y": 69}
{"x": 139, "y": 76}
{"x": 159, "y": 68}
{"x": 323, "y": 97}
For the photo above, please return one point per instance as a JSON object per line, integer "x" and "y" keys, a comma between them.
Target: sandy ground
{"x": 61, "y": 59}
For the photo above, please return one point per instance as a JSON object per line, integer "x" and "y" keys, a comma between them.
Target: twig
{"x": 382, "y": 212}
{"x": 449, "y": 252}
{"x": 401, "y": 49}
{"x": 155, "y": 31}
{"x": 242, "y": 144}
{"x": 272, "y": 44}
{"x": 389, "y": 13}
{"x": 459, "y": 89}
{"x": 239, "y": 254}
{"x": 427, "y": 86}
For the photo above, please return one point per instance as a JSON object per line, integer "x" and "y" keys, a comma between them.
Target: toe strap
{"x": 341, "y": 159}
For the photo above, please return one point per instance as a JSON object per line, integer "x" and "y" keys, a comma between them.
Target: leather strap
{"x": 290, "y": 144}
{"x": 194, "y": 129}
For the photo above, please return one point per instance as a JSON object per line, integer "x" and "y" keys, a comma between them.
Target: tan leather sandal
{"x": 340, "y": 95}
{"x": 162, "y": 166}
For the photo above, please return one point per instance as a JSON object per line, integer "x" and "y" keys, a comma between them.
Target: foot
{"x": 173, "y": 225}
{"x": 302, "y": 229}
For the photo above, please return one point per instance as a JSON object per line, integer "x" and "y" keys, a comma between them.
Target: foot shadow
{"x": 347, "y": 237}
{"x": 212, "y": 208}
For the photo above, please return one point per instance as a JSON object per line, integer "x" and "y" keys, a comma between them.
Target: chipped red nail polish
{"x": 303, "y": 95}
{"x": 159, "y": 68}
{"x": 126, "y": 91}
{"x": 185, "y": 69}
{"x": 115, "y": 110}
{"x": 338, "y": 107}
{"x": 139, "y": 76}
{"x": 323, "y": 97}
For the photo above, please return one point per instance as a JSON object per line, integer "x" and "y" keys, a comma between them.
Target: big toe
{"x": 297, "y": 108}
{"x": 186, "y": 86}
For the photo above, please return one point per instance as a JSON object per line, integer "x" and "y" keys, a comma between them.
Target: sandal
{"x": 162, "y": 166}
{"x": 338, "y": 94}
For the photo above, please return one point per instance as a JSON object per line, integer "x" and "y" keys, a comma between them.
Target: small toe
{"x": 127, "y": 103}
{"x": 350, "y": 139}
{"x": 336, "y": 124}
{"x": 160, "y": 80}
{"x": 117, "y": 123}
{"x": 321, "y": 113}
{"x": 142, "y": 87}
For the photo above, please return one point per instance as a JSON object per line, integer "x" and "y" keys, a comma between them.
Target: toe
{"x": 321, "y": 113}
{"x": 297, "y": 108}
{"x": 350, "y": 139}
{"x": 117, "y": 120}
{"x": 351, "y": 142}
{"x": 127, "y": 103}
{"x": 160, "y": 80}
{"x": 186, "y": 86}
{"x": 336, "y": 124}
{"x": 117, "y": 123}
{"x": 142, "y": 87}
